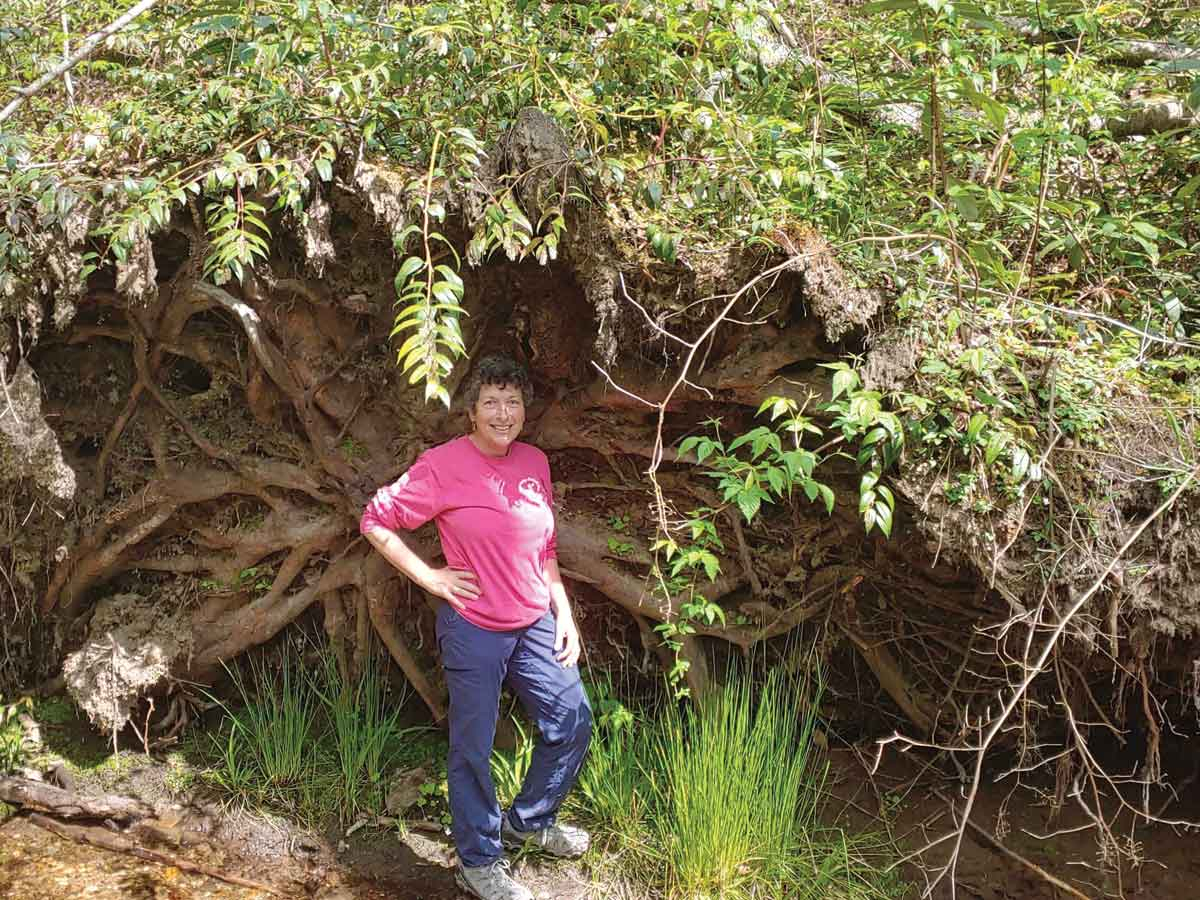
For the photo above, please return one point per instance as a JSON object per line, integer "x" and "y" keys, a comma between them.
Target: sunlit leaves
{"x": 430, "y": 301}
{"x": 237, "y": 236}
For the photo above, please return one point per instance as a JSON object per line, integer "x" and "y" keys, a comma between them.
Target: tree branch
{"x": 85, "y": 50}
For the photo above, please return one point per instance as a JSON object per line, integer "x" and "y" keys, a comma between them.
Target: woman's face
{"x": 498, "y": 416}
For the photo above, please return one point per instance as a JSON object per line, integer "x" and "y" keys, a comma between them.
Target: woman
{"x": 505, "y": 616}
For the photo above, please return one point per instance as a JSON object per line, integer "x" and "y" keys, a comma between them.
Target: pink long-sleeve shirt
{"x": 494, "y": 517}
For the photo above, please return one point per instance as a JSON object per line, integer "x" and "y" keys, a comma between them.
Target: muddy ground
{"x": 368, "y": 862}
{"x": 901, "y": 800}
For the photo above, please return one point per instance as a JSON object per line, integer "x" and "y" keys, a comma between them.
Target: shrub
{"x": 12, "y": 736}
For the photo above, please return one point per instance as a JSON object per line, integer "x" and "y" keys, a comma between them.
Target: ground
{"x": 36, "y": 865}
{"x": 901, "y": 799}
{"x": 371, "y": 863}
{"x": 904, "y": 794}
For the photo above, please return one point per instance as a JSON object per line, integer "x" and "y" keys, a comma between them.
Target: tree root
{"x": 262, "y": 619}
{"x": 381, "y": 608}
{"x": 882, "y": 663}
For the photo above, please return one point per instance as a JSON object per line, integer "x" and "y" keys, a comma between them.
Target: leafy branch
{"x": 429, "y": 295}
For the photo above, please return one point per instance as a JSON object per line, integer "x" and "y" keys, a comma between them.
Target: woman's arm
{"x": 456, "y": 586}
{"x": 567, "y": 645}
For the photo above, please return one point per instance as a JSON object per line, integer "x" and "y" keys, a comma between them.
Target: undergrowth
{"x": 308, "y": 743}
{"x": 723, "y": 798}
{"x": 12, "y": 748}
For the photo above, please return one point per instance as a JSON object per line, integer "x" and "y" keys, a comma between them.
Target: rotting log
{"x": 46, "y": 798}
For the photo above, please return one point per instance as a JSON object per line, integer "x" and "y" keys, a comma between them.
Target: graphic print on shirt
{"x": 526, "y": 501}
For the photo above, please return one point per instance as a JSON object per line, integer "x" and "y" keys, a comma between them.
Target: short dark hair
{"x": 498, "y": 369}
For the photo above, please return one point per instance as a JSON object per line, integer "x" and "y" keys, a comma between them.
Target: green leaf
{"x": 777, "y": 480}
{"x": 410, "y": 266}
{"x": 1146, "y": 230}
{"x": 976, "y": 425}
{"x": 883, "y": 516}
{"x": 827, "y": 495}
{"x": 887, "y": 6}
{"x": 1180, "y": 65}
{"x": 885, "y": 492}
{"x": 749, "y": 503}
{"x": 844, "y": 380}
{"x": 995, "y": 447}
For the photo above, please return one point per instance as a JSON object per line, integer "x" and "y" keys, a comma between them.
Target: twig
{"x": 120, "y": 844}
{"x": 66, "y": 28}
{"x": 1033, "y": 867}
{"x": 1034, "y": 670}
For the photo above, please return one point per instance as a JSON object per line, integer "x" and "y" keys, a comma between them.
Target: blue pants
{"x": 477, "y": 662}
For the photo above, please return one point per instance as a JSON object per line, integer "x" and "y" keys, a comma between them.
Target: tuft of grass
{"x": 266, "y": 749}
{"x": 510, "y": 768}
{"x": 309, "y": 744}
{"x": 613, "y": 786}
{"x": 722, "y": 798}
{"x": 363, "y": 734}
{"x": 739, "y": 788}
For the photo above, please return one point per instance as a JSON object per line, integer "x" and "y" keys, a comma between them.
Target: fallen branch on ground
{"x": 107, "y": 840}
{"x": 42, "y": 797}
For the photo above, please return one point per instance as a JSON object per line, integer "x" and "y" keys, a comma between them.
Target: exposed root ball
{"x": 132, "y": 644}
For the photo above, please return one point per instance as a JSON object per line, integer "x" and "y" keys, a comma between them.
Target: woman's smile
{"x": 498, "y": 416}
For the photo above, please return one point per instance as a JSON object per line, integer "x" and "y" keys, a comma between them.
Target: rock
{"x": 405, "y": 790}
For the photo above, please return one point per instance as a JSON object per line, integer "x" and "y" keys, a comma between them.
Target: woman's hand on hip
{"x": 456, "y": 586}
{"x": 566, "y": 640}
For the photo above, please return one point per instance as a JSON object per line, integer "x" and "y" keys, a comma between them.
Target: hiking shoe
{"x": 490, "y": 882}
{"x": 557, "y": 840}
